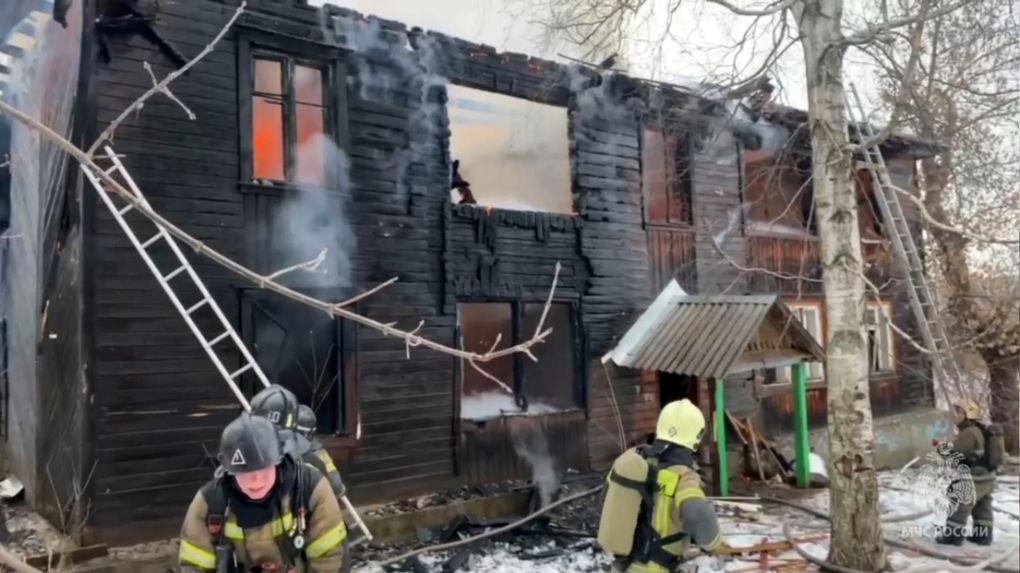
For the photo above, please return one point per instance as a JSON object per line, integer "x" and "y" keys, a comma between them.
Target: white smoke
{"x": 532, "y": 445}
{"x": 314, "y": 218}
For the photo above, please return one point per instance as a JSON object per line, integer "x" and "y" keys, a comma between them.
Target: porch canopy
{"x": 714, "y": 336}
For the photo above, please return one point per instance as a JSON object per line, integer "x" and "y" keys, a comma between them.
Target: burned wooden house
{"x": 467, "y": 173}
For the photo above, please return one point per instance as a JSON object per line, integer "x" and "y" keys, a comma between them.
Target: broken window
{"x": 868, "y": 212}
{"x": 879, "y": 337}
{"x": 810, "y": 317}
{"x": 778, "y": 195}
{"x": 666, "y": 178}
{"x": 513, "y": 153}
{"x": 289, "y": 119}
{"x": 549, "y": 385}
{"x": 303, "y": 350}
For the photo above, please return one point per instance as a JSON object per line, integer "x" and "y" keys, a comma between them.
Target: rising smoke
{"x": 532, "y": 445}
{"x": 315, "y": 218}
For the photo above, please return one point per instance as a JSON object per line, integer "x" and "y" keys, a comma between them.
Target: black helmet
{"x": 306, "y": 420}
{"x": 278, "y": 404}
{"x": 249, "y": 443}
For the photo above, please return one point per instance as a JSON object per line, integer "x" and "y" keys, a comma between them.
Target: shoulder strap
{"x": 216, "y": 499}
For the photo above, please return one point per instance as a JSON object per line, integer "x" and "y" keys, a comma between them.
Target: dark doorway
{"x": 674, "y": 387}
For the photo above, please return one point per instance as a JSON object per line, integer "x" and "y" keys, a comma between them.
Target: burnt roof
{"x": 896, "y": 145}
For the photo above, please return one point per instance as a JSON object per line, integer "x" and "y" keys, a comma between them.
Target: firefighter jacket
{"x": 679, "y": 507}
{"x": 970, "y": 443}
{"x": 318, "y": 457}
{"x": 266, "y": 533}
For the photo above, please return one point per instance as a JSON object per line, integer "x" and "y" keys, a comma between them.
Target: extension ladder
{"x": 922, "y": 297}
{"x": 183, "y": 267}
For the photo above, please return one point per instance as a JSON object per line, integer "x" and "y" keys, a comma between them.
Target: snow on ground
{"x": 742, "y": 528}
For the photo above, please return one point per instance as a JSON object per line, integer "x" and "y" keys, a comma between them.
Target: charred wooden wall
{"x": 160, "y": 406}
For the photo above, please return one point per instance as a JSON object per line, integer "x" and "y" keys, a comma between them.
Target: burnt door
{"x": 300, "y": 348}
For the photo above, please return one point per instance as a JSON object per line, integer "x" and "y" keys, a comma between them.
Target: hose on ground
{"x": 494, "y": 532}
{"x": 822, "y": 564}
{"x": 895, "y": 542}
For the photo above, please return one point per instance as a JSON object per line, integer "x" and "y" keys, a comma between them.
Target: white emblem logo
{"x": 274, "y": 417}
{"x": 943, "y": 482}
{"x": 238, "y": 459}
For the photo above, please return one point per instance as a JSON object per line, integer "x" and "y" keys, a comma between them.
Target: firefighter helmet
{"x": 306, "y": 420}
{"x": 970, "y": 408}
{"x": 681, "y": 423}
{"x": 248, "y": 444}
{"x": 277, "y": 404}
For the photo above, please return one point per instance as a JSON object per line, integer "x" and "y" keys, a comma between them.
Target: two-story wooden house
{"x": 325, "y": 128}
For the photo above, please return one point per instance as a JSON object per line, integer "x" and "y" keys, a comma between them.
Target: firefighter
{"x": 654, "y": 506}
{"x": 263, "y": 511}
{"x": 981, "y": 451}
{"x": 314, "y": 452}
{"x": 281, "y": 406}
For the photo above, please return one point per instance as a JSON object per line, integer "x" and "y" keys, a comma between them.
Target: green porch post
{"x": 802, "y": 442}
{"x": 720, "y": 436}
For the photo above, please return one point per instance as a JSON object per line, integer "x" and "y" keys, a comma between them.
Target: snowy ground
{"x": 746, "y": 528}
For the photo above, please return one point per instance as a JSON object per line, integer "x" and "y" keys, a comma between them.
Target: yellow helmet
{"x": 681, "y": 423}
{"x": 970, "y": 408}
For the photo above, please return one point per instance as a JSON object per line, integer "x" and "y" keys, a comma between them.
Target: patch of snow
{"x": 495, "y": 404}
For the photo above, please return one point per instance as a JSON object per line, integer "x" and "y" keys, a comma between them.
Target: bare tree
{"x": 822, "y": 31}
{"x": 965, "y": 95}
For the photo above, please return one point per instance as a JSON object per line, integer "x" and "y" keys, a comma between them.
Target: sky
{"x": 698, "y": 45}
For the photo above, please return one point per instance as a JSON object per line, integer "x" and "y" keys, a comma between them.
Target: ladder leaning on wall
{"x": 922, "y": 298}
{"x": 183, "y": 267}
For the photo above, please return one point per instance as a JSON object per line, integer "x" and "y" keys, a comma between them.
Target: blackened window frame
{"x": 520, "y": 360}
{"x": 346, "y": 356}
{"x": 332, "y": 60}
{"x": 684, "y": 159}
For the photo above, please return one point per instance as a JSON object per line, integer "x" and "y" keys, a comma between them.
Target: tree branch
{"x": 161, "y": 87}
{"x": 949, "y": 228}
{"x": 870, "y": 34}
{"x": 204, "y": 250}
{"x": 775, "y": 8}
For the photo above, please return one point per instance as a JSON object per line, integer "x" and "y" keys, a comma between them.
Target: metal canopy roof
{"x": 712, "y": 336}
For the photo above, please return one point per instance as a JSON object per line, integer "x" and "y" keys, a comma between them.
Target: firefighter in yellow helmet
{"x": 263, "y": 511}
{"x": 654, "y": 507}
{"x": 980, "y": 448}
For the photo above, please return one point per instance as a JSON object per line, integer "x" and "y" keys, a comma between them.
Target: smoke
{"x": 403, "y": 69}
{"x": 531, "y": 444}
{"x": 495, "y": 404}
{"x": 314, "y": 218}
{"x": 596, "y": 102}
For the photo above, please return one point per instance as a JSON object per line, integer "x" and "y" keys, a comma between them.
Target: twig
{"x": 166, "y": 91}
{"x": 310, "y": 266}
{"x": 412, "y": 340}
{"x": 498, "y": 531}
{"x": 949, "y": 228}
{"x": 775, "y": 8}
{"x": 548, "y": 302}
{"x": 616, "y": 408}
{"x": 366, "y": 294}
{"x": 491, "y": 377}
{"x": 226, "y": 262}
{"x": 888, "y": 319}
{"x": 161, "y": 87}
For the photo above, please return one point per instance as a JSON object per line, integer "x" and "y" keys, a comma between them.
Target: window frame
{"x": 883, "y": 312}
{"x": 346, "y": 333}
{"x": 252, "y": 43}
{"x": 577, "y": 336}
{"x": 816, "y": 370}
{"x": 684, "y": 153}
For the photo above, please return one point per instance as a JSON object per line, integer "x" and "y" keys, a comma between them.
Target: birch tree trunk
{"x": 853, "y": 491}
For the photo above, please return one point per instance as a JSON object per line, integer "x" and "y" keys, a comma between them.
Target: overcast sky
{"x": 698, "y": 45}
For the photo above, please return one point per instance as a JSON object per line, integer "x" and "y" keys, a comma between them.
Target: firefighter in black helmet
{"x": 263, "y": 511}
{"x": 314, "y": 452}
{"x": 280, "y": 406}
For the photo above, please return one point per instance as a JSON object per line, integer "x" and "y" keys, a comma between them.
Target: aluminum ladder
{"x": 922, "y": 298}
{"x": 184, "y": 267}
